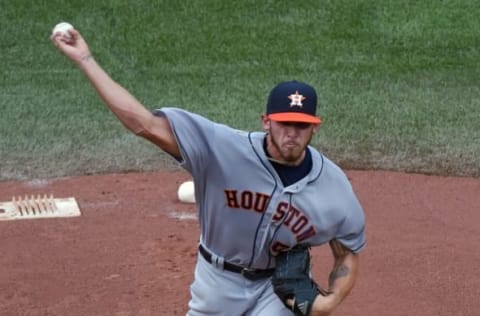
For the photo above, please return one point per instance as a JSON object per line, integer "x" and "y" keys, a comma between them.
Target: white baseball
{"x": 63, "y": 28}
{"x": 186, "y": 192}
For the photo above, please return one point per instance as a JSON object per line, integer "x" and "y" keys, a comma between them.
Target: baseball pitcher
{"x": 264, "y": 198}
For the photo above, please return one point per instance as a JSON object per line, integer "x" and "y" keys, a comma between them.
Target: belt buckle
{"x": 252, "y": 274}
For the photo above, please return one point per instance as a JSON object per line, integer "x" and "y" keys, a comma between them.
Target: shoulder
{"x": 330, "y": 165}
{"x": 173, "y": 113}
{"x": 334, "y": 182}
{"x": 325, "y": 169}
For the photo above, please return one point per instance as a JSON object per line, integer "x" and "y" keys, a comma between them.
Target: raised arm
{"x": 122, "y": 103}
{"x": 341, "y": 280}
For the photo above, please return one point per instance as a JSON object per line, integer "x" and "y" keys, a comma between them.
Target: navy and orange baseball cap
{"x": 293, "y": 101}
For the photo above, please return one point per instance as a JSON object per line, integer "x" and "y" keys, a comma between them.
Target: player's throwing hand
{"x": 74, "y": 46}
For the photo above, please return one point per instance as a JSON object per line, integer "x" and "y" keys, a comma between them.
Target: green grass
{"x": 398, "y": 81}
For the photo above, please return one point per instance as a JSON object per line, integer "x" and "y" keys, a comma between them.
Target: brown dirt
{"x": 133, "y": 249}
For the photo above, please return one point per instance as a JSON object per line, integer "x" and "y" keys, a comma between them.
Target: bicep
{"x": 160, "y": 133}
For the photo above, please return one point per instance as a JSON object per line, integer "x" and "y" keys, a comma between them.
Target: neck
{"x": 284, "y": 162}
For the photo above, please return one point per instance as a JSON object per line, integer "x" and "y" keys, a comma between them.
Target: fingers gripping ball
{"x": 291, "y": 280}
{"x": 63, "y": 28}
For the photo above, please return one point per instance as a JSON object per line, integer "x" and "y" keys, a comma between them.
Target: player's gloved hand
{"x": 292, "y": 282}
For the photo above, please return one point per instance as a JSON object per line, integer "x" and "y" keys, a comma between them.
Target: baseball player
{"x": 259, "y": 194}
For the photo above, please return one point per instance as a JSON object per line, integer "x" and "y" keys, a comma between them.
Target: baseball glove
{"x": 292, "y": 280}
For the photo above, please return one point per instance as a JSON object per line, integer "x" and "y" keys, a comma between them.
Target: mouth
{"x": 291, "y": 145}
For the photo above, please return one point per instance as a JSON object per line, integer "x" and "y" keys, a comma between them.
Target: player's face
{"x": 287, "y": 140}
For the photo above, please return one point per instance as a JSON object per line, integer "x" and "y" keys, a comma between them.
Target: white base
{"x": 33, "y": 208}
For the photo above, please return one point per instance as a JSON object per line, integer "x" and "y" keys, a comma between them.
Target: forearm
{"x": 124, "y": 105}
{"x": 343, "y": 276}
{"x": 341, "y": 280}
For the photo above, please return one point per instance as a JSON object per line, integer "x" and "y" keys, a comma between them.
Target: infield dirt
{"x": 133, "y": 249}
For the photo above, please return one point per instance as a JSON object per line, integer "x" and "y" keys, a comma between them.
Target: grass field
{"x": 398, "y": 81}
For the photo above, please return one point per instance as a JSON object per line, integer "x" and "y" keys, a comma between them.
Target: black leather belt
{"x": 251, "y": 274}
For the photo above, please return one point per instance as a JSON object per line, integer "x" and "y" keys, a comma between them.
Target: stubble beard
{"x": 288, "y": 156}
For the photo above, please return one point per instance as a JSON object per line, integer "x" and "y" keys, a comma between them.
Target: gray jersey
{"x": 245, "y": 212}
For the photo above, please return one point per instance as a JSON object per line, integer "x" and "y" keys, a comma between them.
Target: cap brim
{"x": 294, "y": 117}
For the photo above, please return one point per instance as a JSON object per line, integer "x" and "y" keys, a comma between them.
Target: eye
{"x": 303, "y": 125}
{"x": 299, "y": 125}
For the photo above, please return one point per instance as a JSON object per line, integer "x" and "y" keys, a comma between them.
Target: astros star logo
{"x": 296, "y": 99}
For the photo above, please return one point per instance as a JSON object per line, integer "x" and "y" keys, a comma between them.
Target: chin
{"x": 291, "y": 158}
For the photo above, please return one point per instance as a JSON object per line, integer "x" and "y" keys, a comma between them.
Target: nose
{"x": 292, "y": 130}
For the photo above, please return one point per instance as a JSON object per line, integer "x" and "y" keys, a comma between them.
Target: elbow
{"x": 139, "y": 131}
{"x": 136, "y": 127}
{"x": 145, "y": 133}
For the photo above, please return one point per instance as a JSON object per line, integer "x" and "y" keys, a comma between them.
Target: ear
{"x": 315, "y": 128}
{"x": 265, "y": 122}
